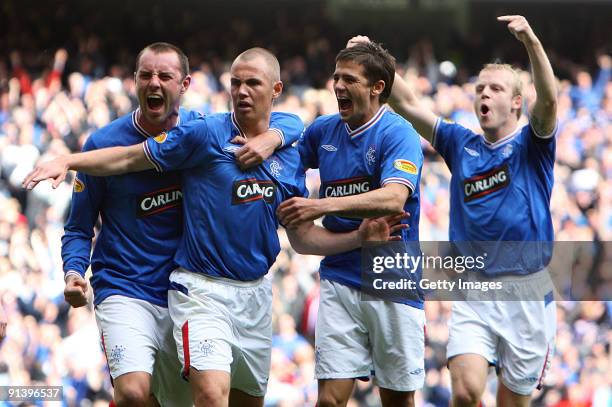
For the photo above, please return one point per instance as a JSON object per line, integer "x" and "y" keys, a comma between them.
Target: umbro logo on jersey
{"x": 471, "y": 152}
{"x": 158, "y": 201}
{"x": 249, "y": 190}
{"x": 481, "y": 185}
{"x": 346, "y": 187}
{"x": 329, "y": 147}
{"x": 231, "y": 149}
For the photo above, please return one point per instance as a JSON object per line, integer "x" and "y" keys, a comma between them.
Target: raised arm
{"x": 404, "y": 101}
{"x": 102, "y": 162}
{"x": 543, "y": 115}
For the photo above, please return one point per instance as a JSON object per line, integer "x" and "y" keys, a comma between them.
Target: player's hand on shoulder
{"x": 256, "y": 150}
{"x": 382, "y": 229}
{"x": 75, "y": 290}
{"x": 358, "y": 39}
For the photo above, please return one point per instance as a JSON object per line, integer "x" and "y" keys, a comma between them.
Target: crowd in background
{"x": 51, "y": 111}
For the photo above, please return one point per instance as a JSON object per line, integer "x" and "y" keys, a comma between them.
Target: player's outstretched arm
{"x": 102, "y": 162}
{"x": 308, "y": 238}
{"x": 404, "y": 101}
{"x": 543, "y": 115}
{"x": 388, "y": 200}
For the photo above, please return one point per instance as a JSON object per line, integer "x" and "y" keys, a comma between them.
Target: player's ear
{"x": 185, "y": 84}
{"x": 517, "y": 102}
{"x": 377, "y": 88}
{"x": 277, "y": 89}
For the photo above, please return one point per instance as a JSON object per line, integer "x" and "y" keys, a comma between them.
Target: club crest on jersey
{"x": 346, "y": 187}
{"x": 275, "y": 168}
{"x": 249, "y": 190}
{"x": 484, "y": 184}
{"x": 371, "y": 155}
{"x": 161, "y": 137}
{"x": 159, "y": 201}
{"x": 406, "y": 166}
{"x": 507, "y": 151}
{"x": 79, "y": 186}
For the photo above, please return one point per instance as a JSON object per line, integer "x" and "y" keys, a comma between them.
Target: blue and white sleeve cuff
{"x": 281, "y": 135}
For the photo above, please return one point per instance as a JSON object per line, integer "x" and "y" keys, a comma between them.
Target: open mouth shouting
{"x": 344, "y": 104}
{"x": 484, "y": 111}
{"x": 155, "y": 103}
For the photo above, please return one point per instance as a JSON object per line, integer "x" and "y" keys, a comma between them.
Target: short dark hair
{"x": 377, "y": 62}
{"x": 159, "y": 47}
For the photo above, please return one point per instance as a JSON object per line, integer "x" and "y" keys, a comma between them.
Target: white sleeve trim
{"x": 71, "y": 273}
{"x": 398, "y": 180}
{"x": 149, "y": 157}
{"x": 435, "y": 131}
{"x": 281, "y": 135}
{"x": 538, "y": 135}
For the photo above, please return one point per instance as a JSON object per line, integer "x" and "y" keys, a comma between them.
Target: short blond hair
{"x": 517, "y": 83}
{"x": 272, "y": 65}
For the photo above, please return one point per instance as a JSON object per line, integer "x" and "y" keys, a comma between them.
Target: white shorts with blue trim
{"x": 357, "y": 338}
{"x": 136, "y": 336}
{"x": 223, "y": 324}
{"x": 516, "y": 336}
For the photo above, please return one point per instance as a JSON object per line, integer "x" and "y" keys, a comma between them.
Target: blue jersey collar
{"x": 501, "y": 141}
{"x": 364, "y": 127}
{"x": 136, "y": 113}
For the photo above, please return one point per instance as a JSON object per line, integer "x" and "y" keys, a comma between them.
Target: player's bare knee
{"x": 131, "y": 395}
{"x": 466, "y": 396}
{"x": 390, "y": 398}
{"x": 211, "y": 395}
{"x": 329, "y": 399}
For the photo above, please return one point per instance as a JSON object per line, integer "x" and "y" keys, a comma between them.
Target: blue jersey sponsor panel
{"x": 230, "y": 218}
{"x": 384, "y": 150}
{"x": 141, "y": 222}
{"x": 500, "y": 192}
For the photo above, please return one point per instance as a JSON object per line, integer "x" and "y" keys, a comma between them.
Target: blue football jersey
{"x": 141, "y": 222}
{"x": 500, "y": 192}
{"x": 384, "y": 150}
{"x": 141, "y": 217}
{"x": 230, "y": 217}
